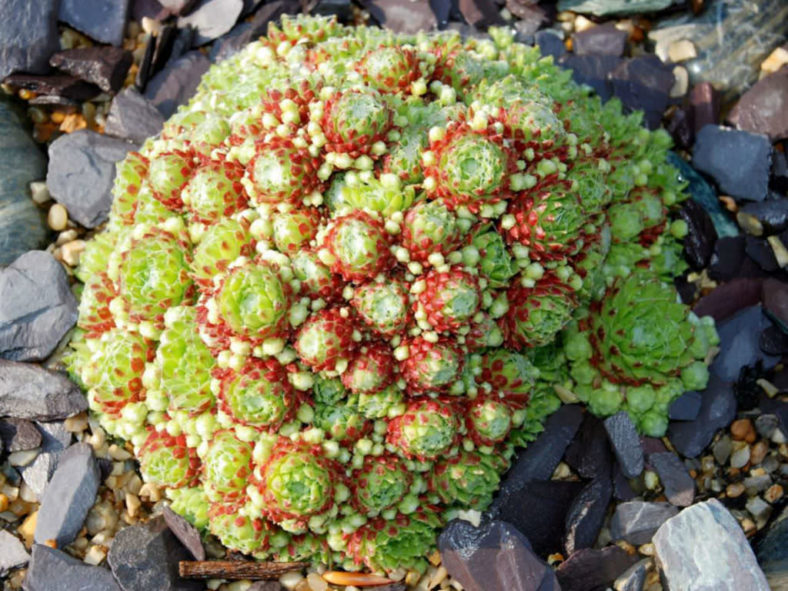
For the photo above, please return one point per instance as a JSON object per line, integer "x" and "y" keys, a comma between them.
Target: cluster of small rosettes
{"x": 358, "y": 271}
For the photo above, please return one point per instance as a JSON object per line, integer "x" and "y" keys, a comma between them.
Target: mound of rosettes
{"x": 358, "y": 271}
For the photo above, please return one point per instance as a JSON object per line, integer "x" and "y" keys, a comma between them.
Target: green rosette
{"x": 227, "y": 466}
{"x": 259, "y": 395}
{"x": 431, "y": 367}
{"x": 341, "y": 422}
{"x": 508, "y": 372}
{"x": 221, "y": 244}
{"x": 537, "y": 314}
{"x": 489, "y": 420}
{"x": 430, "y": 227}
{"x": 354, "y": 120}
{"x": 495, "y": 263}
{"x": 168, "y": 461}
{"x": 386, "y": 403}
{"x": 192, "y": 504}
{"x": 380, "y": 484}
{"x": 426, "y": 431}
{"x": 214, "y": 191}
{"x": 383, "y": 306}
{"x": 236, "y": 530}
{"x": 359, "y": 246}
{"x": 295, "y": 228}
{"x": 467, "y": 480}
{"x": 325, "y": 339}
{"x": 472, "y": 168}
{"x": 168, "y": 174}
{"x": 317, "y": 280}
{"x": 450, "y": 299}
{"x": 370, "y": 371}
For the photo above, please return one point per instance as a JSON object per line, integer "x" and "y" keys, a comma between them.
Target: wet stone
{"x": 739, "y": 343}
{"x": 589, "y": 454}
{"x": 402, "y": 16}
{"x": 728, "y": 258}
{"x": 716, "y": 147}
{"x": 12, "y": 552}
{"x": 699, "y": 242}
{"x": 543, "y": 528}
{"x": 592, "y": 70}
{"x": 550, "y": 43}
{"x": 622, "y": 491}
{"x": 146, "y": 557}
{"x": 773, "y": 341}
{"x": 22, "y": 225}
{"x": 19, "y": 435}
{"x": 37, "y": 308}
{"x": 133, "y": 117}
{"x": 686, "y": 407}
{"x": 68, "y": 496}
{"x": 766, "y": 425}
{"x": 493, "y": 557}
{"x": 53, "y": 570}
{"x": 637, "y": 521}
{"x": 676, "y": 480}
{"x": 760, "y": 251}
{"x": 587, "y": 514}
{"x": 185, "y": 532}
{"x": 102, "y": 20}
{"x": 626, "y": 444}
{"x": 531, "y": 17}
{"x": 211, "y": 19}
{"x": 764, "y": 108}
{"x": 680, "y": 126}
{"x": 28, "y": 36}
{"x": 771, "y": 215}
{"x": 592, "y": 569}
{"x": 601, "y": 40}
{"x": 177, "y": 83}
{"x": 682, "y": 551}
{"x": 644, "y": 83}
{"x": 81, "y": 173}
{"x": 779, "y": 180}
{"x": 28, "y": 391}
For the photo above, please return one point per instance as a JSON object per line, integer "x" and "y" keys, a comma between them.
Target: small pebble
{"x": 57, "y": 217}
{"x": 647, "y": 549}
{"x": 39, "y": 192}
{"x": 681, "y": 82}
{"x": 71, "y": 252}
{"x": 766, "y": 424}
{"x": 776, "y": 60}
{"x": 734, "y": 490}
{"x": 3, "y": 503}
{"x": 682, "y": 50}
{"x": 758, "y": 452}
{"x": 722, "y": 450}
{"x": 774, "y": 493}
{"x": 743, "y": 430}
{"x": 651, "y": 479}
{"x": 760, "y": 510}
{"x": 740, "y": 457}
{"x": 77, "y": 423}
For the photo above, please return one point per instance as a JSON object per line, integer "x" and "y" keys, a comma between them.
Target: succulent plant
{"x": 356, "y": 271}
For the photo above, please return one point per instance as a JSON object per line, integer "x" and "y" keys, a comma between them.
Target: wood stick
{"x": 236, "y": 569}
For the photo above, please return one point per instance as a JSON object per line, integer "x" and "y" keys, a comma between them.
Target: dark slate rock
{"x": 539, "y": 459}
{"x": 703, "y": 193}
{"x": 688, "y": 291}
{"x": 591, "y": 569}
{"x": 634, "y": 578}
{"x": 676, "y": 480}
{"x": 729, "y": 298}
{"x": 212, "y": 19}
{"x": 775, "y": 301}
{"x": 133, "y": 117}
{"x": 550, "y": 43}
{"x": 493, "y": 557}
{"x": 592, "y": 70}
{"x": 402, "y": 16}
{"x": 30, "y": 392}
{"x": 148, "y": 8}
{"x": 764, "y": 108}
{"x": 701, "y": 236}
{"x": 779, "y": 180}
{"x": 717, "y": 147}
{"x": 68, "y": 497}
{"x": 22, "y": 224}
{"x": 772, "y": 214}
{"x": 165, "y": 40}
{"x": 626, "y": 443}
{"x": 638, "y": 521}
{"x": 530, "y": 18}
{"x": 28, "y": 35}
{"x": 342, "y": 9}
{"x": 622, "y": 491}
{"x": 587, "y": 514}
{"x": 81, "y": 172}
{"x": 177, "y": 7}
{"x": 186, "y": 533}
{"x": 705, "y": 102}
{"x": 19, "y": 435}
{"x": 147, "y": 556}
{"x": 589, "y": 454}
{"x": 57, "y": 85}
{"x": 760, "y": 251}
{"x": 106, "y": 67}
{"x": 613, "y": 7}
{"x": 774, "y": 341}
{"x": 644, "y": 83}
{"x": 246, "y": 32}
{"x": 145, "y": 70}
{"x": 12, "y": 552}
{"x": 739, "y": 336}
{"x": 686, "y": 407}
{"x": 543, "y": 528}
{"x": 102, "y": 20}
{"x": 706, "y": 543}
{"x": 53, "y": 570}
{"x": 37, "y": 307}
{"x": 652, "y": 445}
{"x": 772, "y": 552}
{"x": 177, "y": 83}
{"x": 728, "y": 258}
{"x": 480, "y": 13}
{"x": 602, "y": 40}
{"x": 680, "y": 126}
{"x": 56, "y": 438}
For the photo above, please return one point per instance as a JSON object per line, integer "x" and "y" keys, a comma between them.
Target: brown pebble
{"x": 743, "y": 430}
{"x": 52, "y": 543}
{"x": 758, "y": 452}
{"x": 734, "y": 490}
{"x": 773, "y": 493}
{"x": 3, "y": 503}
{"x": 729, "y": 203}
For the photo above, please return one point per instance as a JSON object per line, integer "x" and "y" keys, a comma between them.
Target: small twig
{"x": 236, "y": 570}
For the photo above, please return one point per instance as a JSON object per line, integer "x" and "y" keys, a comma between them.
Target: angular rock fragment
{"x": 705, "y": 543}
{"x": 54, "y": 570}
{"x": 28, "y": 35}
{"x": 54, "y": 85}
{"x": 587, "y": 514}
{"x": 12, "y": 552}
{"x": 37, "y": 308}
{"x": 638, "y": 521}
{"x": 30, "y": 392}
{"x": 106, "y": 67}
{"x": 593, "y": 569}
{"x": 185, "y": 532}
{"x": 402, "y": 16}
{"x": 739, "y": 337}
{"x": 626, "y": 443}
{"x": 55, "y": 439}
{"x": 602, "y": 40}
{"x": 68, "y": 497}
{"x": 133, "y": 117}
{"x": 686, "y": 407}
{"x": 676, "y": 480}
{"x": 19, "y": 435}
{"x": 592, "y": 70}
{"x": 176, "y": 83}
{"x": 102, "y": 20}
{"x": 644, "y": 83}
{"x": 764, "y": 108}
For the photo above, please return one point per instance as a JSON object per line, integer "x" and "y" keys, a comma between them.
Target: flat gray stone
{"x": 28, "y": 35}
{"x": 177, "y": 82}
{"x": 679, "y": 485}
{"x": 12, "y": 552}
{"x": 53, "y": 570}
{"x": 37, "y": 307}
{"x": 103, "y": 20}
{"x": 22, "y": 223}
{"x": 68, "y": 496}
{"x": 185, "y": 532}
{"x": 81, "y": 172}
{"x": 612, "y": 7}
{"x": 703, "y": 547}
{"x": 634, "y": 578}
{"x": 133, "y": 117}
{"x": 772, "y": 552}
{"x": 19, "y": 435}
{"x": 29, "y": 391}
{"x": 637, "y": 521}
{"x": 626, "y": 445}
{"x": 55, "y": 440}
